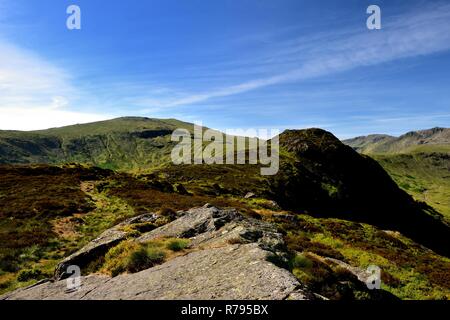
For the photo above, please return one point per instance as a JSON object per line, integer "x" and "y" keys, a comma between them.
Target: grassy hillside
{"x": 119, "y": 125}
{"x": 424, "y": 175}
{"x": 409, "y": 271}
{"x": 371, "y": 143}
{"x": 49, "y": 212}
{"x": 342, "y": 202}
{"x": 124, "y": 143}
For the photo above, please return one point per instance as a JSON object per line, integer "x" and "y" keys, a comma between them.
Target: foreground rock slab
{"x": 231, "y": 272}
{"x": 229, "y": 259}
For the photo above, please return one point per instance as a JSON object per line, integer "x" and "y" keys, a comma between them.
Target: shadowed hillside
{"x": 322, "y": 176}
{"x": 424, "y": 175}
{"x": 419, "y": 162}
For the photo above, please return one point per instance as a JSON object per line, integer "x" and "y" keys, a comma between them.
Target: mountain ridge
{"x": 420, "y": 140}
{"x": 122, "y": 143}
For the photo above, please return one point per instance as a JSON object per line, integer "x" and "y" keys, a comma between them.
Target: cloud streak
{"x": 413, "y": 34}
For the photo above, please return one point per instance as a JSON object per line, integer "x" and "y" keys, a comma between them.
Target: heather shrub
{"x": 32, "y": 274}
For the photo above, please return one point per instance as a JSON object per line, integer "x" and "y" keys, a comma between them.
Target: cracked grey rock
{"x": 50, "y": 290}
{"x": 100, "y": 245}
{"x": 228, "y": 259}
{"x": 194, "y": 222}
{"x": 230, "y": 272}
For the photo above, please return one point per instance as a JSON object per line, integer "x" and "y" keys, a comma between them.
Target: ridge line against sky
{"x": 348, "y": 80}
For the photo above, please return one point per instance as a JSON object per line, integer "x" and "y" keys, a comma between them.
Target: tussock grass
{"x": 131, "y": 256}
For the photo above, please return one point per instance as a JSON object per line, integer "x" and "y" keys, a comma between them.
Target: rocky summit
{"x": 229, "y": 257}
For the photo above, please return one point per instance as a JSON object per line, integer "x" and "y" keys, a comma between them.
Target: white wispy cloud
{"x": 412, "y": 34}
{"x": 26, "y": 118}
{"x": 34, "y": 93}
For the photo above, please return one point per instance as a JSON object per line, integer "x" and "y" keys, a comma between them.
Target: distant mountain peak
{"x": 379, "y": 143}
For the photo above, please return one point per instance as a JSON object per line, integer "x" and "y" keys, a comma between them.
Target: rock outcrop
{"x": 330, "y": 179}
{"x": 230, "y": 258}
{"x": 100, "y": 245}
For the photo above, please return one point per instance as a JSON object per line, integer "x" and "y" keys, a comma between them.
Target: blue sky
{"x": 227, "y": 63}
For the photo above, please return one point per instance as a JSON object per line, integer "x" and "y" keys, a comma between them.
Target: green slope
{"x": 424, "y": 175}
{"x": 371, "y": 143}
{"x": 123, "y": 143}
{"x": 119, "y": 125}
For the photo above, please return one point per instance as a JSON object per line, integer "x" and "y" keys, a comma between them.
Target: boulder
{"x": 194, "y": 222}
{"x": 249, "y": 195}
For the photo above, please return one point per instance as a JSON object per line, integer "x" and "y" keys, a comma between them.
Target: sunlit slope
{"x": 123, "y": 143}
